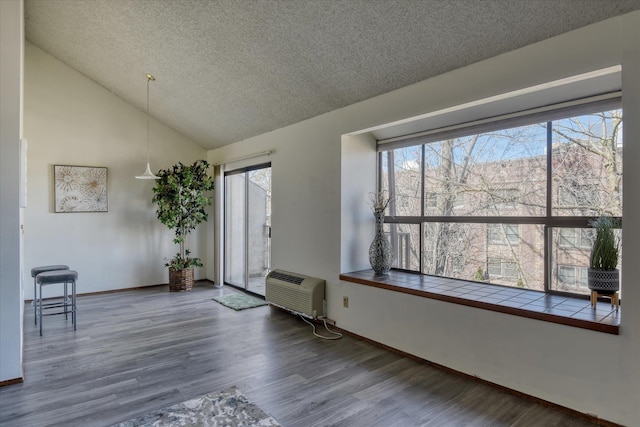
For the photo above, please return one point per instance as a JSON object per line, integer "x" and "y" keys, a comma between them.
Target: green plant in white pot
{"x": 603, "y": 275}
{"x": 179, "y": 195}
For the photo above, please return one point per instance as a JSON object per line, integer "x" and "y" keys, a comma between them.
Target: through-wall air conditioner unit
{"x": 296, "y": 292}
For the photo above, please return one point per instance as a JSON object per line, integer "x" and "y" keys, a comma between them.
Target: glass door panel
{"x": 259, "y": 226}
{"x": 247, "y": 258}
{"x": 235, "y": 208}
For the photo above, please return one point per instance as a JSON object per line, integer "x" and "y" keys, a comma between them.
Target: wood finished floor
{"x": 140, "y": 350}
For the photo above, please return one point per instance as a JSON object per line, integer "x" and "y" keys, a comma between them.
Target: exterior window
{"x": 575, "y": 238}
{"x": 577, "y": 195}
{"x": 431, "y": 199}
{"x": 479, "y": 206}
{"x": 570, "y": 276}
{"x": 501, "y": 268}
{"x": 503, "y": 234}
{"x": 570, "y": 251}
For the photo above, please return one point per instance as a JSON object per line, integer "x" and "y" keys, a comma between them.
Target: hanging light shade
{"x": 147, "y": 173}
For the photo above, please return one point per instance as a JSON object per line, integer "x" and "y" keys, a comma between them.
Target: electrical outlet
{"x": 345, "y": 302}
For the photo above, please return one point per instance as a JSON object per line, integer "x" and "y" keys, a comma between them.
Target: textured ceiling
{"x": 230, "y": 69}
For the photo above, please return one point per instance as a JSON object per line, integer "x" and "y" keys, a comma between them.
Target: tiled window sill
{"x": 537, "y": 305}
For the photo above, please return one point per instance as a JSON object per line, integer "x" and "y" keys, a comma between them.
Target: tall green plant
{"x": 179, "y": 196}
{"x": 604, "y": 253}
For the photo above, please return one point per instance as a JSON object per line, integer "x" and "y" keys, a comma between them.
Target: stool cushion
{"x": 57, "y": 276}
{"x": 37, "y": 270}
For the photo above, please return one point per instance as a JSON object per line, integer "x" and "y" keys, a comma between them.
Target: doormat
{"x": 239, "y": 301}
{"x": 228, "y": 408}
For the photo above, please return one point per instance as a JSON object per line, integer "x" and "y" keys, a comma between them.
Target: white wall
{"x": 71, "y": 120}
{"x": 318, "y": 173}
{"x": 358, "y": 165}
{"x": 11, "y": 77}
{"x": 305, "y": 187}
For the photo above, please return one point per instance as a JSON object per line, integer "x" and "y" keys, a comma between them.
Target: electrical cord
{"x": 336, "y": 335}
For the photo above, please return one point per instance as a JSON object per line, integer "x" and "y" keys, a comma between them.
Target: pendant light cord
{"x": 149, "y": 77}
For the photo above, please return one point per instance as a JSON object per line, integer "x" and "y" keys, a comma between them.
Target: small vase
{"x": 380, "y": 254}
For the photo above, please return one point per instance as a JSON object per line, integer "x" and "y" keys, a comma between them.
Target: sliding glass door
{"x": 247, "y": 257}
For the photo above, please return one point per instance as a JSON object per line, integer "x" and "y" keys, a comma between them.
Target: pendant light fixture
{"x": 147, "y": 173}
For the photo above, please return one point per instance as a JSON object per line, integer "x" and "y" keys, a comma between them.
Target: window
{"x": 507, "y": 202}
{"x": 575, "y": 238}
{"x": 571, "y": 277}
{"x": 577, "y": 196}
{"x": 431, "y": 199}
{"x": 500, "y": 268}
{"x": 571, "y": 249}
{"x": 503, "y": 234}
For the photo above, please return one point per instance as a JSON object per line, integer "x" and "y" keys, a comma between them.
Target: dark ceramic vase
{"x": 380, "y": 254}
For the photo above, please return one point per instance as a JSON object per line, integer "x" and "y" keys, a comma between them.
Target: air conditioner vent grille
{"x": 286, "y": 277}
{"x": 296, "y": 292}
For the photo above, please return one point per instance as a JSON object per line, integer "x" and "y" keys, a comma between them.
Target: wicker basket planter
{"x": 180, "y": 280}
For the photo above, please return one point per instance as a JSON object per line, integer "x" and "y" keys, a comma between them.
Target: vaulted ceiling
{"x": 227, "y": 70}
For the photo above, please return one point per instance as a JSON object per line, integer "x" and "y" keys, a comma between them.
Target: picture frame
{"x": 80, "y": 189}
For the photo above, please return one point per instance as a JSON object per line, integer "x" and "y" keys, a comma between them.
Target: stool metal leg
{"x": 40, "y": 308}
{"x": 35, "y": 305}
{"x": 65, "y": 300}
{"x": 73, "y": 305}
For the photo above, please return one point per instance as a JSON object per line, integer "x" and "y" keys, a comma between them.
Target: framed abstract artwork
{"x": 80, "y": 188}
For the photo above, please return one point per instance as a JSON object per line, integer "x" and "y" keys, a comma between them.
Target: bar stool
{"x": 37, "y": 270}
{"x": 52, "y": 277}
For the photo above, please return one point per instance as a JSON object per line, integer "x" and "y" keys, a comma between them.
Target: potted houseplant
{"x": 179, "y": 195}
{"x": 602, "y": 275}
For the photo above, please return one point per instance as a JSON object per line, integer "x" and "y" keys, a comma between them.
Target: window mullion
{"x": 547, "y": 230}
{"x": 421, "y": 227}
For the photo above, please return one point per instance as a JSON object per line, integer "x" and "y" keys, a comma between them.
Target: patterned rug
{"x": 228, "y": 408}
{"x": 239, "y": 301}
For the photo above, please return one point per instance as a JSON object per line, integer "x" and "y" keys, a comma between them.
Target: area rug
{"x": 239, "y": 301}
{"x": 228, "y": 408}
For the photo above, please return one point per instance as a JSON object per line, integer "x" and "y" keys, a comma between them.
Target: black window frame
{"x": 549, "y": 221}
